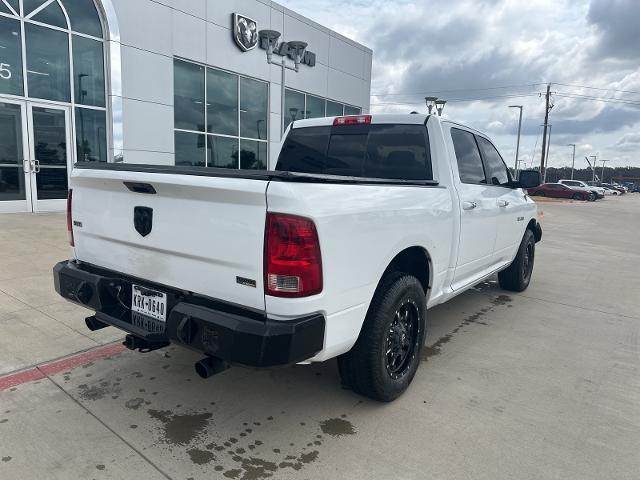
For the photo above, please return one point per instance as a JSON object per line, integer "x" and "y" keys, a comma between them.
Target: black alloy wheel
{"x": 402, "y": 340}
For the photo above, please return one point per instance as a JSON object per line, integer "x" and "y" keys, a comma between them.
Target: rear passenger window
{"x": 398, "y": 152}
{"x": 469, "y": 160}
{"x": 497, "y": 171}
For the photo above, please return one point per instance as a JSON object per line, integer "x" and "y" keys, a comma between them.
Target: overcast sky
{"x": 436, "y": 46}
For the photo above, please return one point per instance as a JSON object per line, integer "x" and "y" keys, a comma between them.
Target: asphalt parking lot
{"x": 544, "y": 384}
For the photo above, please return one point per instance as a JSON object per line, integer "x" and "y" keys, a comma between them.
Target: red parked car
{"x": 557, "y": 190}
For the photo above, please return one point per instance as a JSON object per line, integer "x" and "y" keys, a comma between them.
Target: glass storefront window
{"x": 91, "y": 135}
{"x": 293, "y": 107}
{"x": 222, "y": 102}
{"x": 334, "y": 109}
{"x": 189, "y": 96}
{"x": 15, "y": 4}
{"x": 315, "y": 107}
{"x": 88, "y": 71}
{"x": 47, "y": 63}
{"x": 31, "y": 5}
{"x": 348, "y": 110}
{"x": 190, "y": 149}
{"x": 236, "y": 108}
{"x": 253, "y": 108}
{"x": 222, "y": 152}
{"x": 51, "y": 15}
{"x": 83, "y": 17}
{"x": 10, "y": 57}
{"x": 253, "y": 155}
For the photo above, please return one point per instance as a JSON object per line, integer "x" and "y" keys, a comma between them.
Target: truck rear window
{"x": 398, "y": 152}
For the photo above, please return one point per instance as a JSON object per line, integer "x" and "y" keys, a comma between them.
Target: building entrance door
{"x": 35, "y": 156}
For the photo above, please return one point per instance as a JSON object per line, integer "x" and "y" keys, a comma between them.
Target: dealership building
{"x": 170, "y": 82}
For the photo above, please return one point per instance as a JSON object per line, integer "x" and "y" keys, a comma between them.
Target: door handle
{"x": 503, "y": 203}
{"x": 37, "y": 166}
{"x": 469, "y": 205}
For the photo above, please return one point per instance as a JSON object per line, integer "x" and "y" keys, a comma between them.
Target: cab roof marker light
{"x": 353, "y": 120}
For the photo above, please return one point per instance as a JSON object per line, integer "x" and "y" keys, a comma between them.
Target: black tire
{"x": 577, "y": 196}
{"x": 517, "y": 276}
{"x": 386, "y": 356}
{"x": 592, "y": 197}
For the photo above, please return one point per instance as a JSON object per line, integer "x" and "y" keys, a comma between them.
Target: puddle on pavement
{"x": 180, "y": 429}
{"x": 99, "y": 390}
{"x": 337, "y": 427}
{"x": 243, "y": 456}
{"x": 429, "y": 351}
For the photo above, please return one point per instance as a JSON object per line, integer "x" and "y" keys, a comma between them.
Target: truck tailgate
{"x": 207, "y": 232}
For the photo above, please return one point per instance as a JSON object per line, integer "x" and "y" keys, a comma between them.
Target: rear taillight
{"x": 353, "y": 120}
{"x": 69, "y": 219}
{"x": 292, "y": 262}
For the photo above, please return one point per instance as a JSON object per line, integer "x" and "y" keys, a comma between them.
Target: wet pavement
{"x": 543, "y": 384}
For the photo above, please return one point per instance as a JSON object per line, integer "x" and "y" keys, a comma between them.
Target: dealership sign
{"x": 245, "y": 34}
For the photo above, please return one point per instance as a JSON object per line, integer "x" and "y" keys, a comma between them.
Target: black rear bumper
{"x": 229, "y": 332}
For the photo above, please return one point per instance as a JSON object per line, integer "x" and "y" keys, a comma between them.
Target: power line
{"x": 596, "y": 88}
{"x": 598, "y": 99}
{"x": 462, "y": 99}
{"x": 633, "y": 92}
{"x": 456, "y": 90}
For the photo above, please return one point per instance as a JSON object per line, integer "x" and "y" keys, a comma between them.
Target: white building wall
{"x": 153, "y": 32}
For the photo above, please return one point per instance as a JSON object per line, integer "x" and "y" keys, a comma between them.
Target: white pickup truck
{"x": 366, "y": 223}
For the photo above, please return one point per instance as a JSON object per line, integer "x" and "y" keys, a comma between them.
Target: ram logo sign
{"x": 245, "y": 32}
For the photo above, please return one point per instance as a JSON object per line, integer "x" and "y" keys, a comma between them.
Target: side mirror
{"x": 528, "y": 179}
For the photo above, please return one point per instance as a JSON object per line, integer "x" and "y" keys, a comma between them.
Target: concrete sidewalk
{"x": 539, "y": 385}
{"x": 37, "y": 325}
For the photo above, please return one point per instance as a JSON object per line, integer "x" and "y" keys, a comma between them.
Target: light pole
{"x": 603, "y": 162}
{"x": 431, "y": 103}
{"x": 518, "y": 143}
{"x": 440, "y": 106}
{"x": 573, "y": 162}
{"x": 595, "y": 164}
{"x": 296, "y": 50}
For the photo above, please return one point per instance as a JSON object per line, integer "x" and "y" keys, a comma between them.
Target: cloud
{"x": 465, "y": 49}
{"x": 617, "y": 24}
{"x": 629, "y": 142}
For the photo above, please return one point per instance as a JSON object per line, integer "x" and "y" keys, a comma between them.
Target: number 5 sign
{"x": 5, "y": 73}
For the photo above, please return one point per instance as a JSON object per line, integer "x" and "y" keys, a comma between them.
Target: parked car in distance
{"x": 610, "y": 191}
{"x": 615, "y": 187}
{"x": 578, "y": 184}
{"x": 337, "y": 253}
{"x": 636, "y": 188}
{"x": 558, "y": 190}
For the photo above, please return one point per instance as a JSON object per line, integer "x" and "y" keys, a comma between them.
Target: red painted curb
{"x": 64, "y": 364}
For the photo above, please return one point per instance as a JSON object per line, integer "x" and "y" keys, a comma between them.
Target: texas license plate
{"x": 149, "y": 302}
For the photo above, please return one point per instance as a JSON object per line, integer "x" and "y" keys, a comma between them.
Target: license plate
{"x": 149, "y": 302}
{"x": 147, "y": 324}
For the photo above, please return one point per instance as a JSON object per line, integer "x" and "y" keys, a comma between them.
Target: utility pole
{"x": 518, "y": 144}
{"x": 547, "y": 159}
{"x": 546, "y": 126}
{"x": 603, "y": 162}
{"x": 573, "y": 162}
